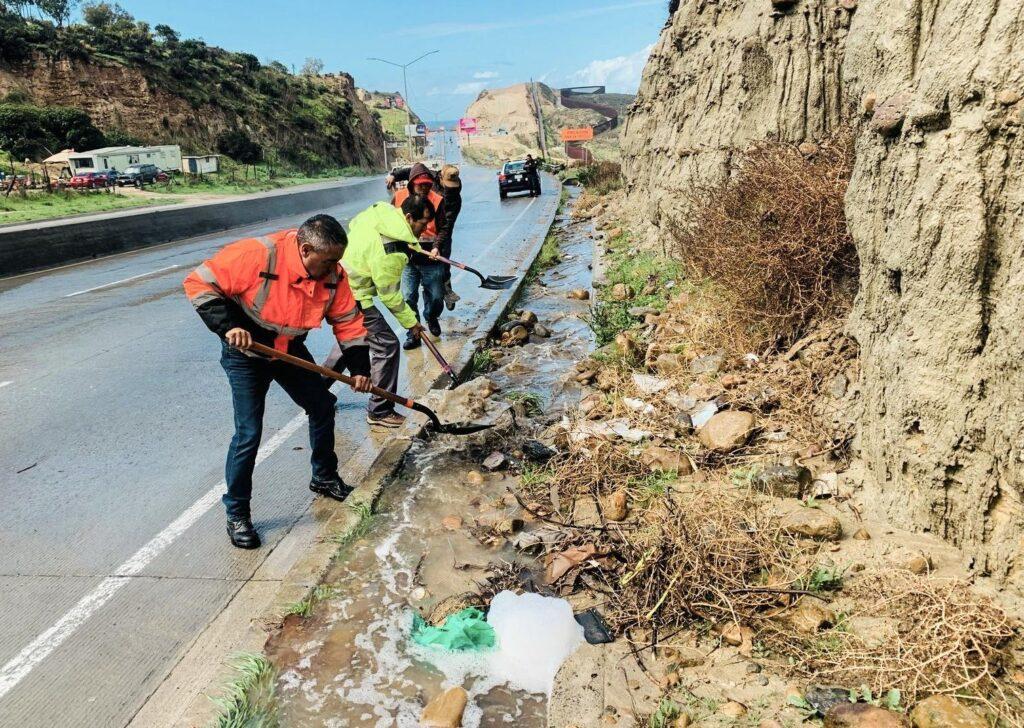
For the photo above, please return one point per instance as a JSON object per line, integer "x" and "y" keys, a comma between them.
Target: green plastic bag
{"x": 462, "y": 631}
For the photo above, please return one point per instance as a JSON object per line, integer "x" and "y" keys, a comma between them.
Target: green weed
{"x": 533, "y": 475}
{"x": 483, "y": 361}
{"x": 667, "y": 712}
{"x": 608, "y": 319}
{"x": 532, "y": 403}
{"x": 823, "y": 579}
{"x": 249, "y": 701}
{"x": 365, "y": 517}
{"x": 305, "y": 607}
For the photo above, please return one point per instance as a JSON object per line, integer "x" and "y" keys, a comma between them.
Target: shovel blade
{"x": 498, "y": 283}
{"x": 460, "y": 428}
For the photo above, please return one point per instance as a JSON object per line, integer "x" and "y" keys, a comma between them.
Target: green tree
{"x": 167, "y": 34}
{"x": 59, "y": 10}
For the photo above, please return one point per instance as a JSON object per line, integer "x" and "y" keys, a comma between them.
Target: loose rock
{"x": 663, "y": 459}
{"x": 944, "y": 711}
{"x": 670, "y": 363}
{"x": 808, "y": 148}
{"x": 889, "y": 115}
{"x": 726, "y": 431}
{"x": 452, "y": 523}
{"x": 615, "y": 506}
{"x": 495, "y": 461}
{"x": 1008, "y": 97}
{"x": 622, "y": 292}
{"x": 807, "y": 617}
{"x": 445, "y": 711}
{"x": 708, "y": 364}
{"x": 451, "y": 605}
{"x": 541, "y": 331}
{"x": 785, "y": 481}
{"x": 732, "y": 709}
{"x": 862, "y": 715}
{"x": 862, "y": 534}
{"x": 868, "y": 103}
{"x": 805, "y": 522}
{"x": 579, "y": 294}
{"x": 474, "y": 477}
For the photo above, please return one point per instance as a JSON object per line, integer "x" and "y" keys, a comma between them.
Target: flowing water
{"x": 352, "y": 663}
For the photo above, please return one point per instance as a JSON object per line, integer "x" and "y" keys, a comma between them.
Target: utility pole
{"x": 540, "y": 120}
{"x": 405, "y": 87}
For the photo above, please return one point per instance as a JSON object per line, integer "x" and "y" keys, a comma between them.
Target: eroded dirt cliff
{"x": 933, "y": 92}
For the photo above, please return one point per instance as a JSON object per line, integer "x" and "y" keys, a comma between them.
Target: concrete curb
{"x": 371, "y": 467}
{"x": 25, "y": 247}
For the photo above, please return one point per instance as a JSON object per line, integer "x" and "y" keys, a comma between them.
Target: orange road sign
{"x": 582, "y": 134}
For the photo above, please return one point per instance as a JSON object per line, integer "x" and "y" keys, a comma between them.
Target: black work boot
{"x": 242, "y": 533}
{"x": 333, "y": 487}
{"x": 434, "y": 326}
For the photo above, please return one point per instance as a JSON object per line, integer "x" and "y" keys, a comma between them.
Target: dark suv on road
{"x": 513, "y": 178}
{"x": 138, "y": 175}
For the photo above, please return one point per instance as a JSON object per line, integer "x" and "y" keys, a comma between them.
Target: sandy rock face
{"x": 933, "y": 205}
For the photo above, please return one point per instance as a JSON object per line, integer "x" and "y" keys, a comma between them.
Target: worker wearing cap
{"x": 274, "y": 290}
{"x": 451, "y": 191}
{"x": 421, "y": 272}
{"x": 381, "y": 240}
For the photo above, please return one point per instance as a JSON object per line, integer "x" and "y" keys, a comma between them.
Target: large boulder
{"x": 726, "y": 431}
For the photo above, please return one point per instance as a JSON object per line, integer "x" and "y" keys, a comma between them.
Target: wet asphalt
{"x": 115, "y": 416}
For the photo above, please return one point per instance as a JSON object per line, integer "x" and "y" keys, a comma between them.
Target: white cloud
{"x": 435, "y": 30}
{"x": 470, "y": 87}
{"x": 485, "y": 74}
{"x": 620, "y": 74}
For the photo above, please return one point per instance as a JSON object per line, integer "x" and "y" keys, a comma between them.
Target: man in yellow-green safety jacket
{"x": 381, "y": 240}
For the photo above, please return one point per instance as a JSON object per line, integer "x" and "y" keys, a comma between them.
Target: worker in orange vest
{"x": 421, "y": 271}
{"x": 274, "y": 290}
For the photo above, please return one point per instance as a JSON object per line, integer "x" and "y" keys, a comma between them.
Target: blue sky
{"x": 483, "y": 43}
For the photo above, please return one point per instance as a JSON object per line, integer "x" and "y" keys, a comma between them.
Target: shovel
{"x": 494, "y": 283}
{"x": 456, "y": 428}
{"x": 440, "y": 359}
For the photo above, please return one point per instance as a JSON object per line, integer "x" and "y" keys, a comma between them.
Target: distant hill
{"x": 149, "y": 84}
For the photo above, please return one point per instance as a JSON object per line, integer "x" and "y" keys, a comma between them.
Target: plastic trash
{"x": 462, "y": 631}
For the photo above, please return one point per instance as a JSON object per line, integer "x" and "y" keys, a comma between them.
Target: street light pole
{"x": 405, "y": 88}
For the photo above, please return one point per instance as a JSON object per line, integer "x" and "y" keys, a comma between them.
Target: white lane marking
{"x": 4, "y": 384}
{"x": 22, "y": 664}
{"x": 125, "y": 280}
{"x": 458, "y": 276}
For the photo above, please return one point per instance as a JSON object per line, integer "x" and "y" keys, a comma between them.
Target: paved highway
{"x": 115, "y": 417}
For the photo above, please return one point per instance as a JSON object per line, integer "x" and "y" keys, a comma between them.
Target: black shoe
{"x": 333, "y": 487}
{"x": 411, "y": 342}
{"x": 434, "y": 327}
{"x": 242, "y": 533}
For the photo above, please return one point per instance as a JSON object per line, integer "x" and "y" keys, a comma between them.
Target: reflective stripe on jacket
{"x": 374, "y": 262}
{"x": 265, "y": 278}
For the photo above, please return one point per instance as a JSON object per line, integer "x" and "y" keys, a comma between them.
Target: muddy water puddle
{"x": 352, "y": 662}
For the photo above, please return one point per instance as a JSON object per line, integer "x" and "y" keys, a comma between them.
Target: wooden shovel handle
{"x": 324, "y": 371}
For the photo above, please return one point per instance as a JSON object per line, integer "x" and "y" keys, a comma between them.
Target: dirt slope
{"x": 934, "y": 206}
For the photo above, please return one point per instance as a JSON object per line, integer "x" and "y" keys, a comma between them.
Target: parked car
{"x": 110, "y": 175}
{"x": 513, "y": 178}
{"x": 162, "y": 176}
{"x": 88, "y": 181}
{"x": 138, "y": 175}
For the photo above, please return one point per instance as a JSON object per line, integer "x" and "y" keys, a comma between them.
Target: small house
{"x": 205, "y": 164}
{"x": 165, "y": 156}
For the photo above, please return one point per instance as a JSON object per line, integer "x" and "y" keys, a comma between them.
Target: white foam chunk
{"x": 535, "y": 635}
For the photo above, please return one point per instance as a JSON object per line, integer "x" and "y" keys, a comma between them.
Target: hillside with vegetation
{"x": 118, "y": 80}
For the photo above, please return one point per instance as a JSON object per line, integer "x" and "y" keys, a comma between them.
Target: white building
{"x": 204, "y": 164}
{"x": 165, "y": 156}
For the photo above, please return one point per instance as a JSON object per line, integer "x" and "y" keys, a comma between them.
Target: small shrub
{"x": 601, "y": 177}
{"x": 774, "y": 236}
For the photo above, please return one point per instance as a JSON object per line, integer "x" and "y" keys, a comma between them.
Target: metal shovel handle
{"x": 437, "y": 355}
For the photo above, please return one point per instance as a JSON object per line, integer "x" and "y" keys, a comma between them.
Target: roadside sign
{"x": 415, "y": 130}
{"x": 421, "y": 129}
{"x": 467, "y": 125}
{"x": 395, "y": 145}
{"x": 581, "y": 134}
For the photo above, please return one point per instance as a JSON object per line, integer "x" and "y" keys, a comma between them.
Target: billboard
{"x": 582, "y": 134}
{"x": 467, "y": 125}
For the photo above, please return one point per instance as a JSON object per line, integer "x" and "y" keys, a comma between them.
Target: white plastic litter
{"x": 703, "y": 413}
{"x": 638, "y": 405}
{"x": 535, "y": 636}
{"x": 650, "y": 385}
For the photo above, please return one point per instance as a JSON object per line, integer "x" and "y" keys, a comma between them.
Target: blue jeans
{"x": 431, "y": 277}
{"x": 250, "y": 378}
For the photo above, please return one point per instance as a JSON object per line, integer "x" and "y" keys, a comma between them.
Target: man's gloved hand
{"x": 416, "y": 331}
{"x": 239, "y": 338}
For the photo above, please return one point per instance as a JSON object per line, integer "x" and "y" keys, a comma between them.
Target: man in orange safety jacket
{"x": 273, "y": 290}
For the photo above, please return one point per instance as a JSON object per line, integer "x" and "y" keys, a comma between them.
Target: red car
{"x": 88, "y": 181}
